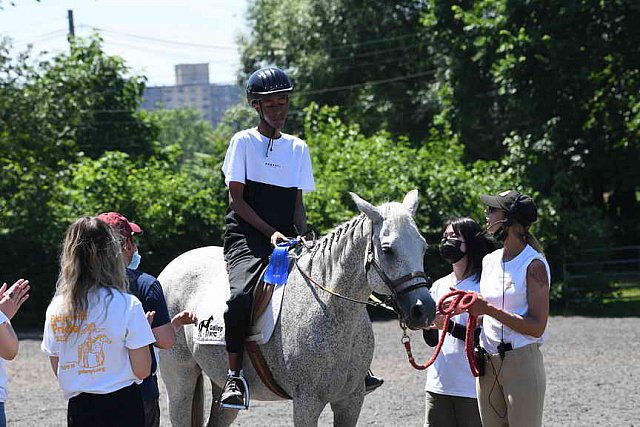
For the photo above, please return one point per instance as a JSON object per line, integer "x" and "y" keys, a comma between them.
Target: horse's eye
{"x": 387, "y": 250}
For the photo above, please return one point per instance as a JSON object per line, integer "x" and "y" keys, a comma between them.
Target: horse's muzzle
{"x": 417, "y": 307}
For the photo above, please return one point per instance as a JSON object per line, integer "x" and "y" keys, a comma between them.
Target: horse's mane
{"x": 338, "y": 242}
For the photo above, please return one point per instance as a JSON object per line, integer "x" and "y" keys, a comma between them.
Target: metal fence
{"x": 600, "y": 271}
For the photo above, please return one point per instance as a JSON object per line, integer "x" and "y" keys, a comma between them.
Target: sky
{"x": 151, "y": 35}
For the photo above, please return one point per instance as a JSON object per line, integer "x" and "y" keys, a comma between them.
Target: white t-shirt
{"x": 94, "y": 357}
{"x": 512, "y": 277}
{"x": 287, "y": 164}
{"x": 3, "y": 366}
{"x": 450, "y": 373}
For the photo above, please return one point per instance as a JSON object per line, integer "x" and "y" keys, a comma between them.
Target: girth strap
{"x": 260, "y": 365}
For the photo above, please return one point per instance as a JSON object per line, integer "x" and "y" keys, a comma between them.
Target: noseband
{"x": 400, "y": 285}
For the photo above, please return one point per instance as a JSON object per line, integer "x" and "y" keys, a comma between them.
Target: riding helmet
{"x": 267, "y": 81}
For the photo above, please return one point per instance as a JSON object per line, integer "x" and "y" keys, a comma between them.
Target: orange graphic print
{"x": 91, "y": 356}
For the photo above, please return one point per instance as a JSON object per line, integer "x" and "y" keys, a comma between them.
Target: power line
{"x": 368, "y": 83}
{"x": 42, "y": 37}
{"x": 375, "y": 52}
{"x": 152, "y": 49}
{"x": 159, "y": 40}
{"x": 384, "y": 39}
{"x": 371, "y": 42}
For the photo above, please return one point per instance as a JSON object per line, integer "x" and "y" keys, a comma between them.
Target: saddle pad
{"x": 210, "y": 328}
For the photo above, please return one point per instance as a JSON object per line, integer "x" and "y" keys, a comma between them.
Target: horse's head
{"x": 394, "y": 262}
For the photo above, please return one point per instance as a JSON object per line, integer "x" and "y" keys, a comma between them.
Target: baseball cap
{"x": 120, "y": 223}
{"x": 518, "y": 206}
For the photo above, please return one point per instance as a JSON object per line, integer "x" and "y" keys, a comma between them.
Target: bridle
{"x": 398, "y": 286}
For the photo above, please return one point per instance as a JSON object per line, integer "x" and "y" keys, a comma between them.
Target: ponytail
{"x": 531, "y": 240}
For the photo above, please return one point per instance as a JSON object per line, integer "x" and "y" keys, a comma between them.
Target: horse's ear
{"x": 367, "y": 208}
{"x": 411, "y": 202}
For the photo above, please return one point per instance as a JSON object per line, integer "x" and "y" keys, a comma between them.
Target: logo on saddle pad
{"x": 208, "y": 331}
{"x": 211, "y": 330}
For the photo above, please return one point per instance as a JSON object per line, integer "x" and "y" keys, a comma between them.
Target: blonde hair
{"x": 533, "y": 242}
{"x": 91, "y": 259}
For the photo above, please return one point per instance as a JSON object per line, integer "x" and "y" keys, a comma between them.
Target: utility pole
{"x": 72, "y": 29}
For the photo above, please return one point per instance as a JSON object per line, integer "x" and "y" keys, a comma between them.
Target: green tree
{"x": 92, "y": 99}
{"x": 553, "y": 87}
{"x": 82, "y": 101}
{"x": 368, "y": 57}
{"x": 381, "y": 168}
{"x": 53, "y": 114}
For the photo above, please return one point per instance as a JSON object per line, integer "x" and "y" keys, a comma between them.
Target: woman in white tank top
{"x": 514, "y": 305}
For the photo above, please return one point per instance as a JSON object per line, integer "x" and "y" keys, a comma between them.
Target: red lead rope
{"x": 448, "y": 305}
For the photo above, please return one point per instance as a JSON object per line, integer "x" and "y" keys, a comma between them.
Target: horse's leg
{"x": 180, "y": 378}
{"x": 219, "y": 417}
{"x": 347, "y": 411}
{"x": 306, "y": 411}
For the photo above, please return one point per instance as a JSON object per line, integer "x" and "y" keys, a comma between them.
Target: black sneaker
{"x": 233, "y": 394}
{"x": 371, "y": 382}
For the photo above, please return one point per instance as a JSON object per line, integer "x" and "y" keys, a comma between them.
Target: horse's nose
{"x": 423, "y": 312}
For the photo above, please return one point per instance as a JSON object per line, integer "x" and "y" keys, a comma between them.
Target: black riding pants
{"x": 245, "y": 268}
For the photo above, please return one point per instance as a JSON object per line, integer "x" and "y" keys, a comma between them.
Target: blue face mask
{"x": 135, "y": 260}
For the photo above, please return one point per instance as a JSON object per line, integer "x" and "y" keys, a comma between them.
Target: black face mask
{"x": 450, "y": 250}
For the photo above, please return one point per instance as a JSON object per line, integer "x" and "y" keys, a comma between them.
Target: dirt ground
{"x": 593, "y": 379}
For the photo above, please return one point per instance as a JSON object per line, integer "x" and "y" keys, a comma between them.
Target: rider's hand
{"x": 277, "y": 237}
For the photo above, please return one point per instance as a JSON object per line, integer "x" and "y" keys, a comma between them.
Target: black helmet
{"x": 267, "y": 81}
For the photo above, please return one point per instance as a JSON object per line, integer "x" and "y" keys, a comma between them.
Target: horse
{"x": 323, "y": 342}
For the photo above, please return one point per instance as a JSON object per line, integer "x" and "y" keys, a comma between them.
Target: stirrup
{"x": 246, "y": 397}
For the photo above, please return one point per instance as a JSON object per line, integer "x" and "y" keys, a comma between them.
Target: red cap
{"x": 120, "y": 223}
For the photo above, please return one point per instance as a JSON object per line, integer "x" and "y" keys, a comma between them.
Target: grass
{"x": 624, "y": 302}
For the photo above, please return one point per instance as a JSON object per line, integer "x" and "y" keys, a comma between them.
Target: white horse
{"x": 322, "y": 346}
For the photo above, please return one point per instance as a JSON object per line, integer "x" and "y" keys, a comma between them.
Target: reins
{"x": 373, "y": 303}
{"x": 397, "y": 287}
{"x": 308, "y": 246}
{"x": 448, "y": 305}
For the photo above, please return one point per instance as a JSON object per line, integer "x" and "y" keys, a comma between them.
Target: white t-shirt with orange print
{"x": 92, "y": 349}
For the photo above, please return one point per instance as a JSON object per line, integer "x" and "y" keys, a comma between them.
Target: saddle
{"x": 265, "y": 310}
{"x": 275, "y": 274}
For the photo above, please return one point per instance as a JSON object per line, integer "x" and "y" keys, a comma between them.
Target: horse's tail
{"x": 197, "y": 403}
